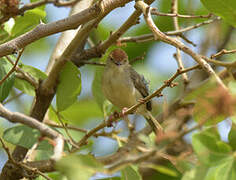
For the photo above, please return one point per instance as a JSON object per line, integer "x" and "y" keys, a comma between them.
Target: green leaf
{"x": 224, "y": 171}
{"x": 232, "y": 136}
{"x": 184, "y": 165}
{"x": 163, "y": 169}
{"x": 208, "y": 107}
{"x": 209, "y": 149}
{"x": 5, "y": 31}
{"x": 53, "y": 175}
{"x": 111, "y": 178}
{"x": 97, "y": 81}
{"x": 9, "y": 25}
{"x": 80, "y": 112}
{"x": 43, "y": 154}
{"x": 28, "y": 21}
{"x": 25, "y": 86}
{"x": 7, "y": 85}
{"x": 232, "y": 87}
{"x": 233, "y": 118}
{"x": 130, "y": 173}
{"x": 225, "y": 9}
{"x": 34, "y": 72}
{"x": 97, "y": 87}
{"x": 80, "y": 167}
{"x": 25, "y": 136}
{"x": 69, "y": 86}
{"x": 197, "y": 173}
{"x": 52, "y": 114}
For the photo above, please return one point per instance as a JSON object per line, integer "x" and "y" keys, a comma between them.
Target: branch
{"x": 72, "y": 22}
{"x": 43, "y": 98}
{"x": 29, "y": 121}
{"x": 49, "y": 84}
{"x": 12, "y": 98}
{"x": 222, "y": 52}
{"x": 172, "y": 41}
{"x": 177, "y": 56}
{"x": 150, "y": 37}
{"x": 101, "y": 48}
{"x": 32, "y": 170}
{"x": 131, "y": 159}
{"x": 175, "y": 14}
{"x": 33, "y": 123}
{"x": 130, "y": 110}
{"x": 23, "y": 75}
{"x": 220, "y": 63}
{"x": 34, "y": 5}
{"x": 67, "y": 126}
{"x": 12, "y": 69}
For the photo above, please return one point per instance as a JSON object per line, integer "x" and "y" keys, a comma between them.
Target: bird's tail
{"x": 155, "y": 125}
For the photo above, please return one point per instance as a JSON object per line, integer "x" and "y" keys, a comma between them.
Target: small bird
{"x": 124, "y": 87}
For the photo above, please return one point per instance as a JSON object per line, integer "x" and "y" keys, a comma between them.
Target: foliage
{"x": 192, "y": 147}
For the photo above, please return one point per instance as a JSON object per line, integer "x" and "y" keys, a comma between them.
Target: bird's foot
{"x": 141, "y": 100}
{"x": 123, "y": 112}
{"x": 125, "y": 116}
{"x": 111, "y": 118}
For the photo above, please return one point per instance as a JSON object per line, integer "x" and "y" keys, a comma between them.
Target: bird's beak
{"x": 117, "y": 63}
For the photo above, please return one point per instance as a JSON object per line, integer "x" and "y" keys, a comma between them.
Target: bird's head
{"x": 118, "y": 57}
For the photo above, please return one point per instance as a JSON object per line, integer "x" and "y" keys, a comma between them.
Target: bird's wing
{"x": 141, "y": 85}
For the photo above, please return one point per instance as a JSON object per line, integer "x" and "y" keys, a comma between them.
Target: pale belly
{"x": 120, "y": 90}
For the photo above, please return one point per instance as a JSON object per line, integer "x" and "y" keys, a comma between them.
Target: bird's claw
{"x": 141, "y": 100}
{"x": 111, "y": 118}
{"x": 123, "y": 112}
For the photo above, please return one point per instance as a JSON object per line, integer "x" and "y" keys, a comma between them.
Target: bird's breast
{"x": 118, "y": 88}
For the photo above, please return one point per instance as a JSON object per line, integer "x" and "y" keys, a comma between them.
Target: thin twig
{"x": 13, "y": 98}
{"x": 72, "y": 142}
{"x": 222, "y": 52}
{"x": 177, "y": 56}
{"x": 174, "y": 42}
{"x": 137, "y": 58}
{"x": 220, "y": 63}
{"x": 131, "y": 160}
{"x": 13, "y": 68}
{"x": 93, "y": 63}
{"x": 33, "y": 5}
{"x": 167, "y": 83}
{"x": 173, "y": 14}
{"x": 101, "y": 48}
{"x": 34, "y": 170}
{"x": 150, "y": 37}
{"x": 67, "y": 126}
{"x": 6, "y": 150}
{"x": 16, "y": 117}
{"x": 99, "y": 8}
{"x": 23, "y": 75}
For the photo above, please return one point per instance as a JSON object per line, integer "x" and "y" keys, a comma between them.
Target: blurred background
{"x": 158, "y": 64}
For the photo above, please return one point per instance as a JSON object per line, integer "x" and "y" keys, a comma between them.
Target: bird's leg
{"x": 126, "y": 119}
{"x": 123, "y": 112}
{"x": 111, "y": 117}
{"x": 141, "y": 100}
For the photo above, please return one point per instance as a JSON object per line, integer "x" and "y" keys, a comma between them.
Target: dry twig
{"x": 168, "y": 83}
{"x": 222, "y": 52}
{"x": 177, "y": 56}
{"x": 172, "y": 41}
{"x": 13, "y": 68}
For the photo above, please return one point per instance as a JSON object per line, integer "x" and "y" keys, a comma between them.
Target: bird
{"x": 124, "y": 87}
